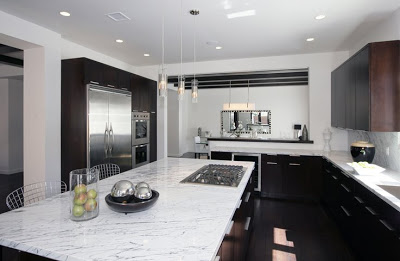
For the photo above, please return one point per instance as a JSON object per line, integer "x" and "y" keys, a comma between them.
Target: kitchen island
{"x": 188, "y": 222}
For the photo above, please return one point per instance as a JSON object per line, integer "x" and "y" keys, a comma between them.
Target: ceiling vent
{"x": 118, "y": 16}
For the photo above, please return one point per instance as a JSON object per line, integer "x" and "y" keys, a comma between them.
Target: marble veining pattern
{"x": 187, "y": 223}
{"x": 384, "y": 142}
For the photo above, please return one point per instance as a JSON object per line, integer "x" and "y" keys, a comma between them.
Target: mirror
{"x": 246, "y": 120}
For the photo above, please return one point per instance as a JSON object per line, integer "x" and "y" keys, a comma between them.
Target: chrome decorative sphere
{"x": 122, "y": 191}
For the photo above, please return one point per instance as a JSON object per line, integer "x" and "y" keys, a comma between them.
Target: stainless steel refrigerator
{"x": 109, "y": 127}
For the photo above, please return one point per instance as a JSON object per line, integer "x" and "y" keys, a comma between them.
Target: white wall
{"x": 42, "y": 95}
{"x": 11, "y": 128}
{"x": 320, "y": 66}
{"x": 387, "y": 30}
{"x": 288, "y": 105}
{"x": 71, "y": 50}
{"x": 173, "y": 124}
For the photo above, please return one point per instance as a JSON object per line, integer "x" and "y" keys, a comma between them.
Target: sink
{"x": 394, "y": 190}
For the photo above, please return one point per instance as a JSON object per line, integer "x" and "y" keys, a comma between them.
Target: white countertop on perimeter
{"x": 187, "y": 223}
{"x": 340, "y": 159}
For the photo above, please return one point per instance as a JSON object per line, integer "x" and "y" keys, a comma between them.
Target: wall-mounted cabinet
{"x": 366, "y": 89}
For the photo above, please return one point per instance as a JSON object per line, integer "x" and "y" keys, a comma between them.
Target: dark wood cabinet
{"x": 366, "y": 89}
{"x": 271, "y": 175}
{"x": 366, "y": 221}
{"x": 153, "y": 137}
{"x": 75, "y": 74}
{"x": 141, "y": 88}
{"x": 124, "y": 80}
{"x": 291, "y": 177}
{"x": 221, "y": 155}
{"x": 235, "y": 244}
{"x": 110, "y": 76}
{"x": 93, "y": 71}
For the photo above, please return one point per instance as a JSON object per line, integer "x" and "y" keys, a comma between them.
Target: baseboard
{"x": 10, "y": 171}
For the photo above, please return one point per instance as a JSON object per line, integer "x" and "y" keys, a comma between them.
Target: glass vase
{"x": 84, "y": 194}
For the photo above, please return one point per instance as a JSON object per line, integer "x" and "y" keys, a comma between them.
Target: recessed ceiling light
{"x": 310, "y": 39}
{"x": 63, "y": 13}
{"x": 146, "y": 54}
{"x": 119, "y": 41}
{"x": 218, "y": 47}
{"x": 320, "y": 17}
{"x": 241, "y": 14}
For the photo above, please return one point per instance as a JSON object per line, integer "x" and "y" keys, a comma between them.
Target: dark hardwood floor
{"x": 8, "y": 183}
{"x": 292, "y": 231}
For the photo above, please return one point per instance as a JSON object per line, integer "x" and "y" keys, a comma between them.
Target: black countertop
{"x": 248, "y": 139}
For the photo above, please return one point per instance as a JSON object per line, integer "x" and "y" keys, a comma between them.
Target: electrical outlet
{"x": 387, "y": 151}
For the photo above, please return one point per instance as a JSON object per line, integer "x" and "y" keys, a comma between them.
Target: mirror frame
{"x": 243, "y": 132}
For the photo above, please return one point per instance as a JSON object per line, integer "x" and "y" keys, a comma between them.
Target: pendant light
{"x": 181, "y": 78}
{"x": 195, "y": 83}
{"x": 239, "y": 106}
{"x": 162, "y": 74}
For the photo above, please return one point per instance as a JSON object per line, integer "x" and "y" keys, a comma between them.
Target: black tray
{"x": 136, "y": 205}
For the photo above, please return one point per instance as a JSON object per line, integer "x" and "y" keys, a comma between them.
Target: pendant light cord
{"x": 248, "y": 93}
{"x": 181, "y": 37}
{"x": 162, "y": 42}
{"x": 194, "y": 50}
{"x": 230, "y": 90}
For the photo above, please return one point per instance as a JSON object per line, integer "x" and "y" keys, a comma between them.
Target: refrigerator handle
{"x": 112, "y": 136}
{"x": 105, "y": 139}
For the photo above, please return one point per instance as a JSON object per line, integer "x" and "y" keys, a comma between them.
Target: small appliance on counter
{"x": 297, "y": 131}
{"x": 362, "y": 151}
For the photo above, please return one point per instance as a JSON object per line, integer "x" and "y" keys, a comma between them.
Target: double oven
{"x": 140, "y": 138}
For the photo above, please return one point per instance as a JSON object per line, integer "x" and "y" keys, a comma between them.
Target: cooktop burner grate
{"x": 216, "y": 174}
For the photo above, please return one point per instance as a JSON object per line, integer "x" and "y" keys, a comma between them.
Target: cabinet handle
{"x": 217, "y": 258}
{"x": 271, "y": 163}
{"x": 389, "y": 227}
{"x": 345, "y": 174}
{"x": 228, "y": 231}
{"x": 345, "y": 211}
{"x": 94, "y": 82}
{"x": 124, "y": 89}
{"x": 247, "y": 197}
{"x": 328, "y": 171}
{"x": 152, "y": 112}
{"x": 109, "y": 85}
{"x": 346, "y": 188}
{"x": 294, "y": 164}
{"x": 238, "y": 205}
{"x": 334, "y": 177}
{"x": 370, "y": 210}
{"x": 247, "y": 224}
{"x": 359, "y": 200}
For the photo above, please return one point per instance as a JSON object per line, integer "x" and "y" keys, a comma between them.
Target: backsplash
{"x": 385, "y": 142}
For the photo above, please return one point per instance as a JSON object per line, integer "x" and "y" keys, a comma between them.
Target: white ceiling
{"x": 279, "y": 27}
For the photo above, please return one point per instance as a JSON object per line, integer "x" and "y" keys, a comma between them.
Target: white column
{"x": 42, "y": 114}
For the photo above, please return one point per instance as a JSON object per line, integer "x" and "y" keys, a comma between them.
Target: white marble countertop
{"x": 340, "y": 159}
{"x": 187, "y": 223}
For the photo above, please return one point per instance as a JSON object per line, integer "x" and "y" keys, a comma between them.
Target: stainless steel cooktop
{"x": 215, "y": 174}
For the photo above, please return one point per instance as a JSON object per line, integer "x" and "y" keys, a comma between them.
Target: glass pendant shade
{"x": 195, "y": 90}
{"x": 162, "y": 82}
{"x": 181, "y": 87}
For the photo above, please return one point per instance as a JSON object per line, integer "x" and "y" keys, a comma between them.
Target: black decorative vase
{"x": 362, "y": 151}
